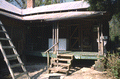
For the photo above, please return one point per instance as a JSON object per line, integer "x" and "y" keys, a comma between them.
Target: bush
{"x": 113, "y": 65}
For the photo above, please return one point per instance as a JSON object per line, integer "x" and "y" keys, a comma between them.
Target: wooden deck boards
{"x": 77, "y": 54}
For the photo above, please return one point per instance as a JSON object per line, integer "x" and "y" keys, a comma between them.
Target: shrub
{"x": 113, "y": 65}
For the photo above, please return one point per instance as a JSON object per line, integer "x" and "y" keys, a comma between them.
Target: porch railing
{"x": 47, "y": 51}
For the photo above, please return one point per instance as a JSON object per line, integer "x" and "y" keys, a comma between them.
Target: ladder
{"x": 11, "y": 57}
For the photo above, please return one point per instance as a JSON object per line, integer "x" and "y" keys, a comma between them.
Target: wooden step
{"x": 12, "y": 57}
{"x": 65, "y": 55}
{"x": 62, "y": 59}
{"x": 4, "y": 39}
{"x": 8, "y": 47}
{"x": 61, "y": 64}
{"x": 57, "y": 69}
{"x": 16, "y": 65}
{"x": 21, "y": 74}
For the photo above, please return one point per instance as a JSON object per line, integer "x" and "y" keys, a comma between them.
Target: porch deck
{"x": 77, "y": 54}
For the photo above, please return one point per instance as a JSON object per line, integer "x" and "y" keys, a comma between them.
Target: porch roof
{"x": 40, "y": 13}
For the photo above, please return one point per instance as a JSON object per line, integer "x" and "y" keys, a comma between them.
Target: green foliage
{"x": 45, "y": 2}
{"x": 113, "y": 65}
{"x": 105, "y": 5}
{"x": 114, "y": 24}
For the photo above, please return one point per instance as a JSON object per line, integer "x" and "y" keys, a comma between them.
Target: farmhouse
{"x": 63, "y": 28}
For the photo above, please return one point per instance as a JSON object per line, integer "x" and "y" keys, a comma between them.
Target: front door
{"x": 80, "y": 38}
{"x": 75, "y": 37}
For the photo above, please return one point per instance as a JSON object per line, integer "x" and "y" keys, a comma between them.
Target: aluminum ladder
{"x": 11, "y": 57}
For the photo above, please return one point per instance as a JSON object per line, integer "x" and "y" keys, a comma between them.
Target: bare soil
{"x": 38, "y": 70}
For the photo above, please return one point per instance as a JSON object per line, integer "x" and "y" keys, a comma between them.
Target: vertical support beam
{"x": 53, "y": 37}
{"x": 57, "y": 37}
{"x": 48, "y": 61}
{"x": 98, "y": 29}
{"x": 102, "y": 41}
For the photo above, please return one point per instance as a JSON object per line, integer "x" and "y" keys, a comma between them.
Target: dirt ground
{"x": 38, "y": 70}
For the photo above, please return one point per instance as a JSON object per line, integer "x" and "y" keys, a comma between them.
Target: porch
{"x": 77, "y": 54}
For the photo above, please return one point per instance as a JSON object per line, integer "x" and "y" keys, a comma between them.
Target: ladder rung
{"x": 21, "y": 74}
{"x": 1, "y": 24}
{"x": 12, "y": 56}
{"x": 16, "y": 65}
{"x": 8, "y": 47}
{"x": 2, "y": 31}
{"x": 4, "y": 39}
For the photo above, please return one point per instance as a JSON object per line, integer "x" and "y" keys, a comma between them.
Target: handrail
{"x": 50, "y": 48}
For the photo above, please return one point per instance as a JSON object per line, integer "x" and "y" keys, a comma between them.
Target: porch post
{"x": 102, "y": 41}
{"x": 57, "y": 37}
{"x": 53, "y": 36}
{"x": 98, "y": 28}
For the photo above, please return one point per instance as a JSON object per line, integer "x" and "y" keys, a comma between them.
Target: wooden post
{"x": 48, "y": 61}
{"x": 53, "y": 37}
{"x": 98, "y": 39}
{"x": 57, "y": 38}
{"x": 102, "y": 42}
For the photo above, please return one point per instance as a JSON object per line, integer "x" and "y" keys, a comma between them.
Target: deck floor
{"x": 77, "y": 54}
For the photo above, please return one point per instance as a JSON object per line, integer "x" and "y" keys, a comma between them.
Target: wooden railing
{"x": 47, "y": 51}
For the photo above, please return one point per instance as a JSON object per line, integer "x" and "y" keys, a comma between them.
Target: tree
{"x": 22, "y": 3}
{"x": 113, "y": 7}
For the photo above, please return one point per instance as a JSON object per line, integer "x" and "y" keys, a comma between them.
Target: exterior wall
{"x": 82, "y": 35}
{"x": 35, "y": 35}
{"x": 16, "y": 31}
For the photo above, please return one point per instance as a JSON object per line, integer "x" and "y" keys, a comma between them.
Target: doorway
{"x": 81, "y": 38}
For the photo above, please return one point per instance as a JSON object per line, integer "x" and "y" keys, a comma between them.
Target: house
{"x": 69, "y": 27}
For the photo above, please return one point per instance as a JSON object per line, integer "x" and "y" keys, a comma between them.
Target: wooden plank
{"x": 53, "y": 36}
{"x": 98, "y": 29}
{"x": 62, "y": 64}
{"x": 61, "y": 59}
{"x": 58, "y": 38}
{"x": 16, "y": 65}
{"x": 65, "y": 55}
{"x": 58, "y": 69}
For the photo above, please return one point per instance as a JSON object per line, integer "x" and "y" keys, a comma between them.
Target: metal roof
{"x": 4, "y": 5}
{"x": 47, "y": 8}
{"x": 11, "y": 11}
{"x": 57, "y": 7}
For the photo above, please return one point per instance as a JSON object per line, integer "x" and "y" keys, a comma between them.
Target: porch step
{"x": 62, "y": 59}
{"x": 65, "y": 55}
{"x": 4, "y": 39}
{"x": 59, "y": 69}
{"x": 62, "y": 64}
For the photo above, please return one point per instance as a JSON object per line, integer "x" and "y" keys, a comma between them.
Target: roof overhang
{"x": 55, "y": 16}
{"x": 48, "y": 13}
